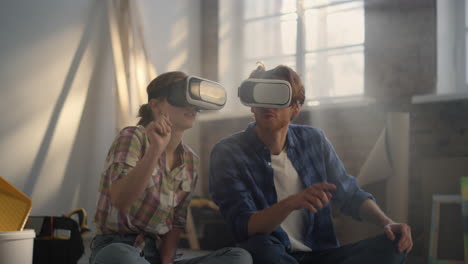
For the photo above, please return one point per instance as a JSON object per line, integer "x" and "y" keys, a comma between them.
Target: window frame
{"x": 301, "y": 48}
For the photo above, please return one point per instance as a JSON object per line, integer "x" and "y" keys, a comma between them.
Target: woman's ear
{"x": 154, "y": 104}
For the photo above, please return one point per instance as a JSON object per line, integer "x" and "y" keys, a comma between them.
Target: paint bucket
{"x": 16, "y": 247}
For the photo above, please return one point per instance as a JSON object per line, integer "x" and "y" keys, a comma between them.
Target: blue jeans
{"x": 266, "y": 249}
{"x": 118, "y": 249}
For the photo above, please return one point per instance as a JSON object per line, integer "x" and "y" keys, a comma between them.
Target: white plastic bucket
{"x": 16, "y": 247}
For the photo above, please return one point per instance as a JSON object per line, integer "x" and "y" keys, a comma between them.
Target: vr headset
{"x": 193, "y": 91}
{"x": 265, "y": 93}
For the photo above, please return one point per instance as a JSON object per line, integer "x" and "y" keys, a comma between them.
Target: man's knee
{"x": 266, "y": 249}
{"x": 386, "y": 250}
{"x": 235, "y": 255}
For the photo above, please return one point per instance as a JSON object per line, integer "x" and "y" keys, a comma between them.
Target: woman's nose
{"x": 193, "y": 108}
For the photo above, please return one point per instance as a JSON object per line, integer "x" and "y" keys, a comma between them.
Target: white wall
{"x": 57, "y": 91}
{"x": 172, "y": 31}
{"x": 55, "y": 56}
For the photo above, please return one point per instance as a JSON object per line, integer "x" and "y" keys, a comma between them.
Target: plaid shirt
{"x": 242, "y": 182}
{"x": 164, "y": 203}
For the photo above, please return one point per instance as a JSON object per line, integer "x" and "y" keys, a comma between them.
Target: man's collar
{"x": 252, "y": 139}
{"x": 290, "y": 137}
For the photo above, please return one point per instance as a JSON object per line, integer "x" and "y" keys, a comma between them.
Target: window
{"x": 323, "y": 40}
{"x": 269, "y": 33}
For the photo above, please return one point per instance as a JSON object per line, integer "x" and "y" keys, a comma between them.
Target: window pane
{"x": 275, "y": 36}
{"x": 262, "y": 8}
{"x": 335, "y": 73}
{"x": 319, "y": 3}
{"x": 335, "y": 25}
{"x": 270, "y": 63}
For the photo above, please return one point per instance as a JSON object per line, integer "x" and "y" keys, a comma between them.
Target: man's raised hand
{"x": 313, "y": 198}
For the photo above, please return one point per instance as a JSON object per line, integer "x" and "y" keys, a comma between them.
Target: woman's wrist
{"x": 166, "y": 259}
{"x": 154, "y": 152}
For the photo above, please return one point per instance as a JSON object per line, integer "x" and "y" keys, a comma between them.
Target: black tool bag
{"x": 58, "y": 238}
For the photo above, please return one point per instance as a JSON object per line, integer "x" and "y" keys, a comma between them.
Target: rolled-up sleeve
{"x": 229, "y": 189}
{"x": 348, "y": 196}
{"x": 124, "y": 153}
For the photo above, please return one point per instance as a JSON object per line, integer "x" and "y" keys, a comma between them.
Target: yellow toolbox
{"x": 15, "y": 207}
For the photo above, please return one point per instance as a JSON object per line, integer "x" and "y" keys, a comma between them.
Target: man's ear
{"x": 295, "y": 109}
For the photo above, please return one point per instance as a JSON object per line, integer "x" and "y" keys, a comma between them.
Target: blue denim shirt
{"x": 241, "y": 182}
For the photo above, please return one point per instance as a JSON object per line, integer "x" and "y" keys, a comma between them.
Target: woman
{"x": 147, "y": 184}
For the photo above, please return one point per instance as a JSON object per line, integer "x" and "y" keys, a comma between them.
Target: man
{"x": 274, "y": 183}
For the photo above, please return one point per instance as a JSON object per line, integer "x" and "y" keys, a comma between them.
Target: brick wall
{"x": 439, "y": 157}
{"x": 400, "y": 48}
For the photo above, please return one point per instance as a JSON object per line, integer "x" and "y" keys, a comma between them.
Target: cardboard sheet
{"x": 389, "y": 160}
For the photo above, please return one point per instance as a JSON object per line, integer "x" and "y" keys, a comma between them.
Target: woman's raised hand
{"x": 159, "y": 133}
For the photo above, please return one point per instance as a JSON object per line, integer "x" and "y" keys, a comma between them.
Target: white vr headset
{"x": 266, "y": 93}
{"x": 194, "y": 91}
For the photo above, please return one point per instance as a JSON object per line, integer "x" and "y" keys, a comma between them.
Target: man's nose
{"x": 268, "y": 109}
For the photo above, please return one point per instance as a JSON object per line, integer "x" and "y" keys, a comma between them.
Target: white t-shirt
{"x": 287, "y": 182}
